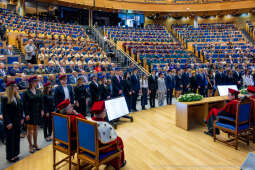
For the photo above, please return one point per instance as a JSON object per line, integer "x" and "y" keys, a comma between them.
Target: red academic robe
{"x": 228, "y": 108}
{"x": 114, "y": 162}
{"x": 73, "y": 128}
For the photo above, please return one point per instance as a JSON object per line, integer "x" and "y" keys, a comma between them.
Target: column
{"x": 21, "y": 7}
{"x": 195, "y": 22}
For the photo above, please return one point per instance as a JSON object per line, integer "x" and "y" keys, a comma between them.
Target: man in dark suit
{"x": 116, "y": 84}
{"x": 63, "y": 91}
{"x": 237, "y": 77}
{"x": 186, "y": 81}
{"x": 94, "y": 90}
{"x": 219, "y": 77}
{"x": 170, "y": 84}
{"x": 153, "y": 86}
{"x": 201, "y": 83}
{"x": 135, "y": 89}
{"x": 29, "y": 70}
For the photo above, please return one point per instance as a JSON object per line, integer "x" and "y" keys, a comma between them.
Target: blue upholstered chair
{"x": 88, "y": 148}
{"x": 62, "y": 139}
{"x": 238, "y": 127}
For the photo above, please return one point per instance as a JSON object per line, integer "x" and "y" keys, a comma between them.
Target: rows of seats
{"x": 214, "y": 32}
{"x": 32, "y": 26}
{"x": 87, "y": 52}
{"x": 58, "y": 43}
{"x": 230, "y": 52}
{"x": 250, "y": 29}
{"x": 150, "y": 53}
{"x": 152, "y": 50}
{"x": 150, "y": 34}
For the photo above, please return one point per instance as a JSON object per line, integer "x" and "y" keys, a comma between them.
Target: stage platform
{"x": 153, "y": 141}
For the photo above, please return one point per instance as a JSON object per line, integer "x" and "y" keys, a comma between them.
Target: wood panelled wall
{"x": 123, "y": 5}
{"x": 240, "y": 20}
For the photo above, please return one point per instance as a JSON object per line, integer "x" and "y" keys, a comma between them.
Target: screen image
{"x": 223, "y": 90}
{"x": 116, "y": 108}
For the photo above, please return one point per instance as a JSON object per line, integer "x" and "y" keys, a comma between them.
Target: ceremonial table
{"x": 189, "y": 114}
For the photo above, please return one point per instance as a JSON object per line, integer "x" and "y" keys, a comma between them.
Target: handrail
{"x": 123, "y": 52}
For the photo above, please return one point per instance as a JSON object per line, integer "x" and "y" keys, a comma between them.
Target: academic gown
{"x": 114, "y": 162}
{"x": 229, "y": 109}
{"x": 73, "y": 128}
{"x": 12, "y": 114}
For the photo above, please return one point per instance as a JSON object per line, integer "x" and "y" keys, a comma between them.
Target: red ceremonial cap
{"x": 98, "y": 107}
{"x": 251, "y": 89}
{"x": 62, "y": 76}
{"x": 9, "y": 83}
{"x": 33, "y": 78}
{"x": 233, "y": 91}
{"x": 47, "y": 84}
{"x": 63, "y": 104}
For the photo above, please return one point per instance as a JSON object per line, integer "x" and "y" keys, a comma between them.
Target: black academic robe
{"x": 12, "y": 114}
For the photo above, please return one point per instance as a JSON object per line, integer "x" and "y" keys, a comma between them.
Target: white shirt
{"x": 66, "y": 92}
{"x": 247, "y": 80}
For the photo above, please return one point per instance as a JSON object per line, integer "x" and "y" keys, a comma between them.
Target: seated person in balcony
{"x": 29, "y": 70}
{"x": 40, "y": 69}
{"x": 43, "y": 56}
{"x": 106, "y": 133}
{"x": 229, "y": 110}
{"x": 73, "y": 78}
{"x": 65, "y": 61}
{"x": 82, "y": 61}
{"x": 2, "y": 70}
{"x": 23, "y": 84}
{"x": 9, "y": 51}
{"x": 51, "y": 69}
{"x": 15, "y": 70}
{"x": 53, "y": 60}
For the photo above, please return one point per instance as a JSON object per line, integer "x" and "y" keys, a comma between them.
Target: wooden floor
{"x": 153, "y": 141}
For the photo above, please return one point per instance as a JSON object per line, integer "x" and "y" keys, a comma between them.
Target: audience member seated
{"x": 29, "y": 70}
{"x": 23, "y": 83}
{"x": 15, "y": 70}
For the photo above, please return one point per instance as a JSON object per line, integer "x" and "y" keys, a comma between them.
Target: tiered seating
{"x": 158, "y": 53}
{"x": 208, "y": 33}
{"x": 250, "y": 29}
{"x": 60, "y": 45}
{"x": 56, "y": 40}
{"x": 151, "y": 46}
{"x": 215, "y": 42}
{"x": 150, "y": 34}
{"x": 229, "y": 52}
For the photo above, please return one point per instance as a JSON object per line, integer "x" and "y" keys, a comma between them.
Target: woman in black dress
{"x": 178, "y": 83}
{"x": 210, "y": 79}
{"x": 48, "y": 108}
{"x": 127, "y": 89}
{"x": 80, "y": 95}
{"x": 12, "y": 115}
{"x": 33, "y": 108}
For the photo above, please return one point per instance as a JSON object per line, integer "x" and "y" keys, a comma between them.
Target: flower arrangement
{"x": 190, "y": 97}
{"x": 243, "y": 91}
